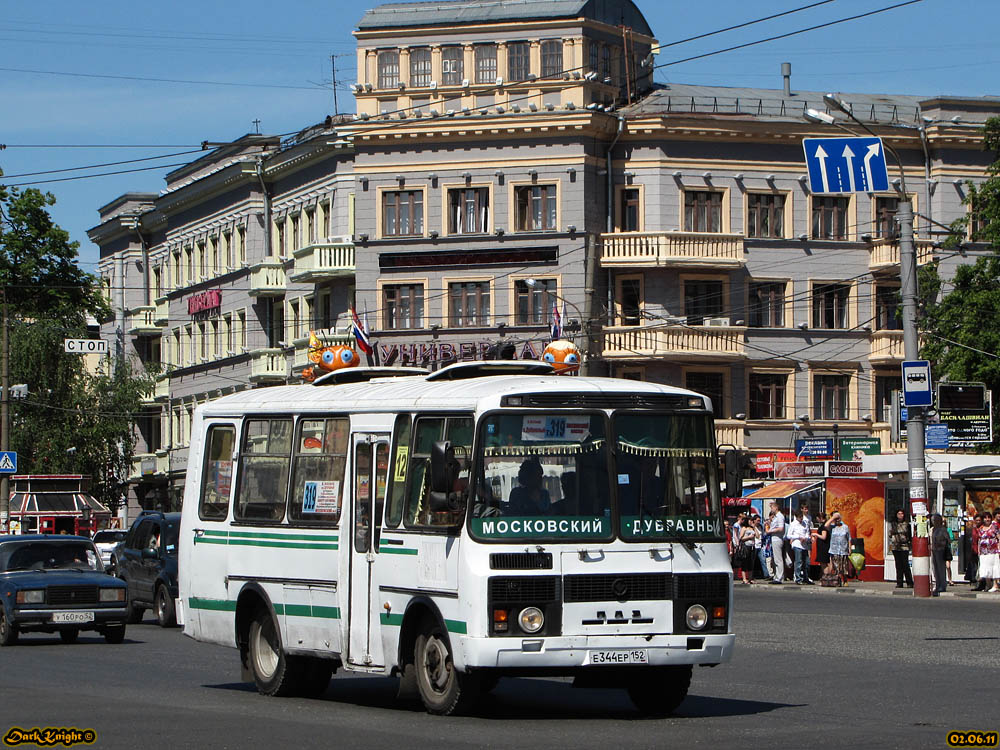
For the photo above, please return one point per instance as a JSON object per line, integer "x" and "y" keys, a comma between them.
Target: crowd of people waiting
{"x": 775, "y": 545}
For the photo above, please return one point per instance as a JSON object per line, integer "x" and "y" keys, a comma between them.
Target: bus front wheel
{"x": 659, "y": 691}
{"x": 443, "y": 689}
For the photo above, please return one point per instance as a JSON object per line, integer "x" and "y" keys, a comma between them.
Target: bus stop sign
{"x": 917, "y": 383}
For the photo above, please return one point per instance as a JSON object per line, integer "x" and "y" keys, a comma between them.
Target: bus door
{"x": 371, "y": 464}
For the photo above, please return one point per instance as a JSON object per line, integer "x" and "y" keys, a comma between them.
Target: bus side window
{"x": 263, "y": 475}
{"x": 427, "y": 432}
{"x": 398, "y": 470}
{"x": 318, "y": 470}
{"x": 217, "y": 473}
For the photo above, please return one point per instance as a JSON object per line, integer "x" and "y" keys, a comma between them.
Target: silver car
{"x": 106, "y": 541}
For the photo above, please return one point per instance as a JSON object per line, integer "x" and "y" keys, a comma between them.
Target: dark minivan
{"x": 147, "y": 562}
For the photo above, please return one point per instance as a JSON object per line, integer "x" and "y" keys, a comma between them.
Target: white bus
{"x": 453, "y": 528}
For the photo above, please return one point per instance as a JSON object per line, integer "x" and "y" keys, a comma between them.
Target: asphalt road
{"x": 810, "y": 670}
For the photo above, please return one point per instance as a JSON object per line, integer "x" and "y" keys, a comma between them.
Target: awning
{"x": 781, "y": 490}
{"x": 54, "y": 504}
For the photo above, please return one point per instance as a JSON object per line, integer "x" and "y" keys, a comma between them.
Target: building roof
{"x": 457, "y": 12}
{"x": 901, "y": 109}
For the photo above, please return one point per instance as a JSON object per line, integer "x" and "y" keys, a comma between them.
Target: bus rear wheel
{"x": 270, "y": 665}
{"x": 443, "y": 689}
{"x": 660, "y": 690}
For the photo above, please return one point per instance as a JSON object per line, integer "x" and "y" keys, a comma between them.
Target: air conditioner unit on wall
{"x": 719, "y": 322}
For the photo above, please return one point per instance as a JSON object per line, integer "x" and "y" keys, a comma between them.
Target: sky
{"x": 88, "y": 84}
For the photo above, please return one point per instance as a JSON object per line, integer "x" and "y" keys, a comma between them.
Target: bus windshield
{"x": 542, "y": 476}
{"x": 666, "y": 477}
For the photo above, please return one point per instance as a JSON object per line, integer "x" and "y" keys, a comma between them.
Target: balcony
{"x": 884, "y": 433}
{"x": 268, "y": 366}
{"x": 324, "y": 261}
{"x": 141, "y": 321}
{"x": 885, "y": 254}
{"x": 639, "y": 249}
{"x": 148, "y": 465}
{"x": 161, "y": 316}
{"x": 729, "y": 432}
{"x": 328, "y": 336}
{"x": 160, "y": 392}
{"x": 685, "y": 342}
{"x": 267, "y": 279}
{"x": 886, "y": 348}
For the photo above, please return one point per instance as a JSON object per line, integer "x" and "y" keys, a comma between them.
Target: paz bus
{"x": 453, "y": 528}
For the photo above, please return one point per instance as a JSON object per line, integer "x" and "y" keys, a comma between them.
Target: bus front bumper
{"x": 572, "y": 652}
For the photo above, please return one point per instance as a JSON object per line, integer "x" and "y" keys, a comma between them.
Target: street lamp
{"x": 915, "y": 415}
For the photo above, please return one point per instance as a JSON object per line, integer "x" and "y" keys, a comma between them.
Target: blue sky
{"x": 275, "y": 62}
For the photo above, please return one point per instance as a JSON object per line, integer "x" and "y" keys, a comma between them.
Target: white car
{"x": 106, "y": 541}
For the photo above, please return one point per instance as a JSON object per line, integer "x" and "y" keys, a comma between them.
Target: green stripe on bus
{"x": 396, "y": 551}
{"x": 267, "y": 535}
{"x": 307, "y": 610}
{"x": 387, "y": 618}
{"x": 203, "y": 540}
{"x": 210, "y": 532}
{"x": 285, "y": 545}
{"x": 456, "y": 626}
{"x": 452, "y": 626}
{"x": 218, "y": 605}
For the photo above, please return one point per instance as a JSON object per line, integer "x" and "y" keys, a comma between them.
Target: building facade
{"x": 512, "y": 161}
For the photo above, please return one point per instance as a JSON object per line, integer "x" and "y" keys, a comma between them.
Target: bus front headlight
{"x": 531, "y": 619}
{"x": 697, "y": 617}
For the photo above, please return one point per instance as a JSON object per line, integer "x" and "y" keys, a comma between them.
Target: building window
{"x": 534, "y": 303}
{"x": 552, "y": 58}
{"x": 518, "y": 61}
{"x": 885, "y": 387}
{"x": 765, "y": 215}
{"x": 702, "y": 299}
{"x": 629, "y": 301}
{"x": 977, "y": 223}
{"x": 885, "y": 217}
{"x": 767, "y": 396}
{"x": 536, "y": 207}
{"x": 702, "y": 211}
{"x": 468, "y": 211}
{"x": 486, "y": 63}
{"x": 469, "y": 303}
{"x": 241, "y": 320}
{"x": 402, "y": 213}
{"x": 630, "y": 210}
{"x": 711, "y": 384}
{"x": 402, "y": 306}
{"x": 830, "y": 305}
{"x": 388, "y": 69}
{"x": 830, "y": 396}
{"x": 594, "y": 57}
{"x": 887, "y": 308}
{"x": 606, "y": 64}
{"x": 767, "y": 305}
{"x": 452, "y": 65}
{"x": 420, "y": 66}
{"x": 274, "y": 322}
{"x": 829, "y": 218}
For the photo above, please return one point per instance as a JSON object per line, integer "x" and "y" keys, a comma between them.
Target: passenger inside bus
{"x": 529, "y": 498}
{"x": 640, "y": 486}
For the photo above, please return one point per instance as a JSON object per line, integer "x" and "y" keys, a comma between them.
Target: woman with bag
{"x": 749, "y": 533}
{"x": 989, "y": 552}
{"x": 900, "y": 538}
{"x": 840, "y": 548}
{"x": 940, "y": 544}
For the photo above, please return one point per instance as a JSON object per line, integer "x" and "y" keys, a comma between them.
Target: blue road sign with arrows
{"x": 846, "y": 165}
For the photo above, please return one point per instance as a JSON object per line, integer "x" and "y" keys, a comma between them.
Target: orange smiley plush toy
{"x": 563, "y": 356}
{"x": 328, "y": 358}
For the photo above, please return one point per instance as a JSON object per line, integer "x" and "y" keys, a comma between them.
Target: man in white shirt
{"x": 776, "y": 530}
{"x": 799, "y": 535}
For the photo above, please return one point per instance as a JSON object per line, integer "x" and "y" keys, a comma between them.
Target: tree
{"x": 960, "y": 319}
{"x": 73, "y": 420}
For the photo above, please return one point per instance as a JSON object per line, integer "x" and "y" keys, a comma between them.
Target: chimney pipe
{"x": 786, "y": 73}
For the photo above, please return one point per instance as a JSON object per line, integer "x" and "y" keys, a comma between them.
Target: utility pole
{"x": 333, "y": 73}
{"x": 4, "y": 417}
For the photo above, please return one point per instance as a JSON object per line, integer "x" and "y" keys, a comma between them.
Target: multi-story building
{"x": 511, "y": 159}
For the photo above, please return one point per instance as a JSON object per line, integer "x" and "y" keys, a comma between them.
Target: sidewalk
{"x": 960, "y": 590}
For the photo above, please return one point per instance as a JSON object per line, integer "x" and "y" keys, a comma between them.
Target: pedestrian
{"x": 764, "y": 552}
{"x": 900, "y": 541}
{"x": 840, "y": 547}
{"x": 939, "y": 544}
{"x": 989, "y": 553}
{"x": 745, "y": 551}
{"x": 798, "y": 534}
{"x": 821, "y": 540}
{"x": 971, "y": 547}
{"x": 776, "y": 531}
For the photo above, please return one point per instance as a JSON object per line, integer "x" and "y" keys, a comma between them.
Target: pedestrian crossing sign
{"x": 8, "y": 462}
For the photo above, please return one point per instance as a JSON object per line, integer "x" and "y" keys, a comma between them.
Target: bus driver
{"x": 529, "y": 498}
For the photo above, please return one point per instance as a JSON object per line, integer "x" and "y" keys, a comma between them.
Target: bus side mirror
{"x": 444, "y": 474}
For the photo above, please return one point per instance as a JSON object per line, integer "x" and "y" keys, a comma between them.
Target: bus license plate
{"x": 72, "y": 617}
{"x": 630, "y": 656}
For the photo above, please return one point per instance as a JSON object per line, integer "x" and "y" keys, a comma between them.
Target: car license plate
{"x": 626, "y": 656}
{"x": 72, "y": 617}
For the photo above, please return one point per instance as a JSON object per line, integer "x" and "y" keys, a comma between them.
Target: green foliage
{"x": 960, "y": 318}
{"x": 73, "y": 420}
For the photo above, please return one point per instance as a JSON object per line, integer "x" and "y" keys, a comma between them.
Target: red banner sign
{"x": 207, "y": 300}
{"x": 764, "y": 463}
